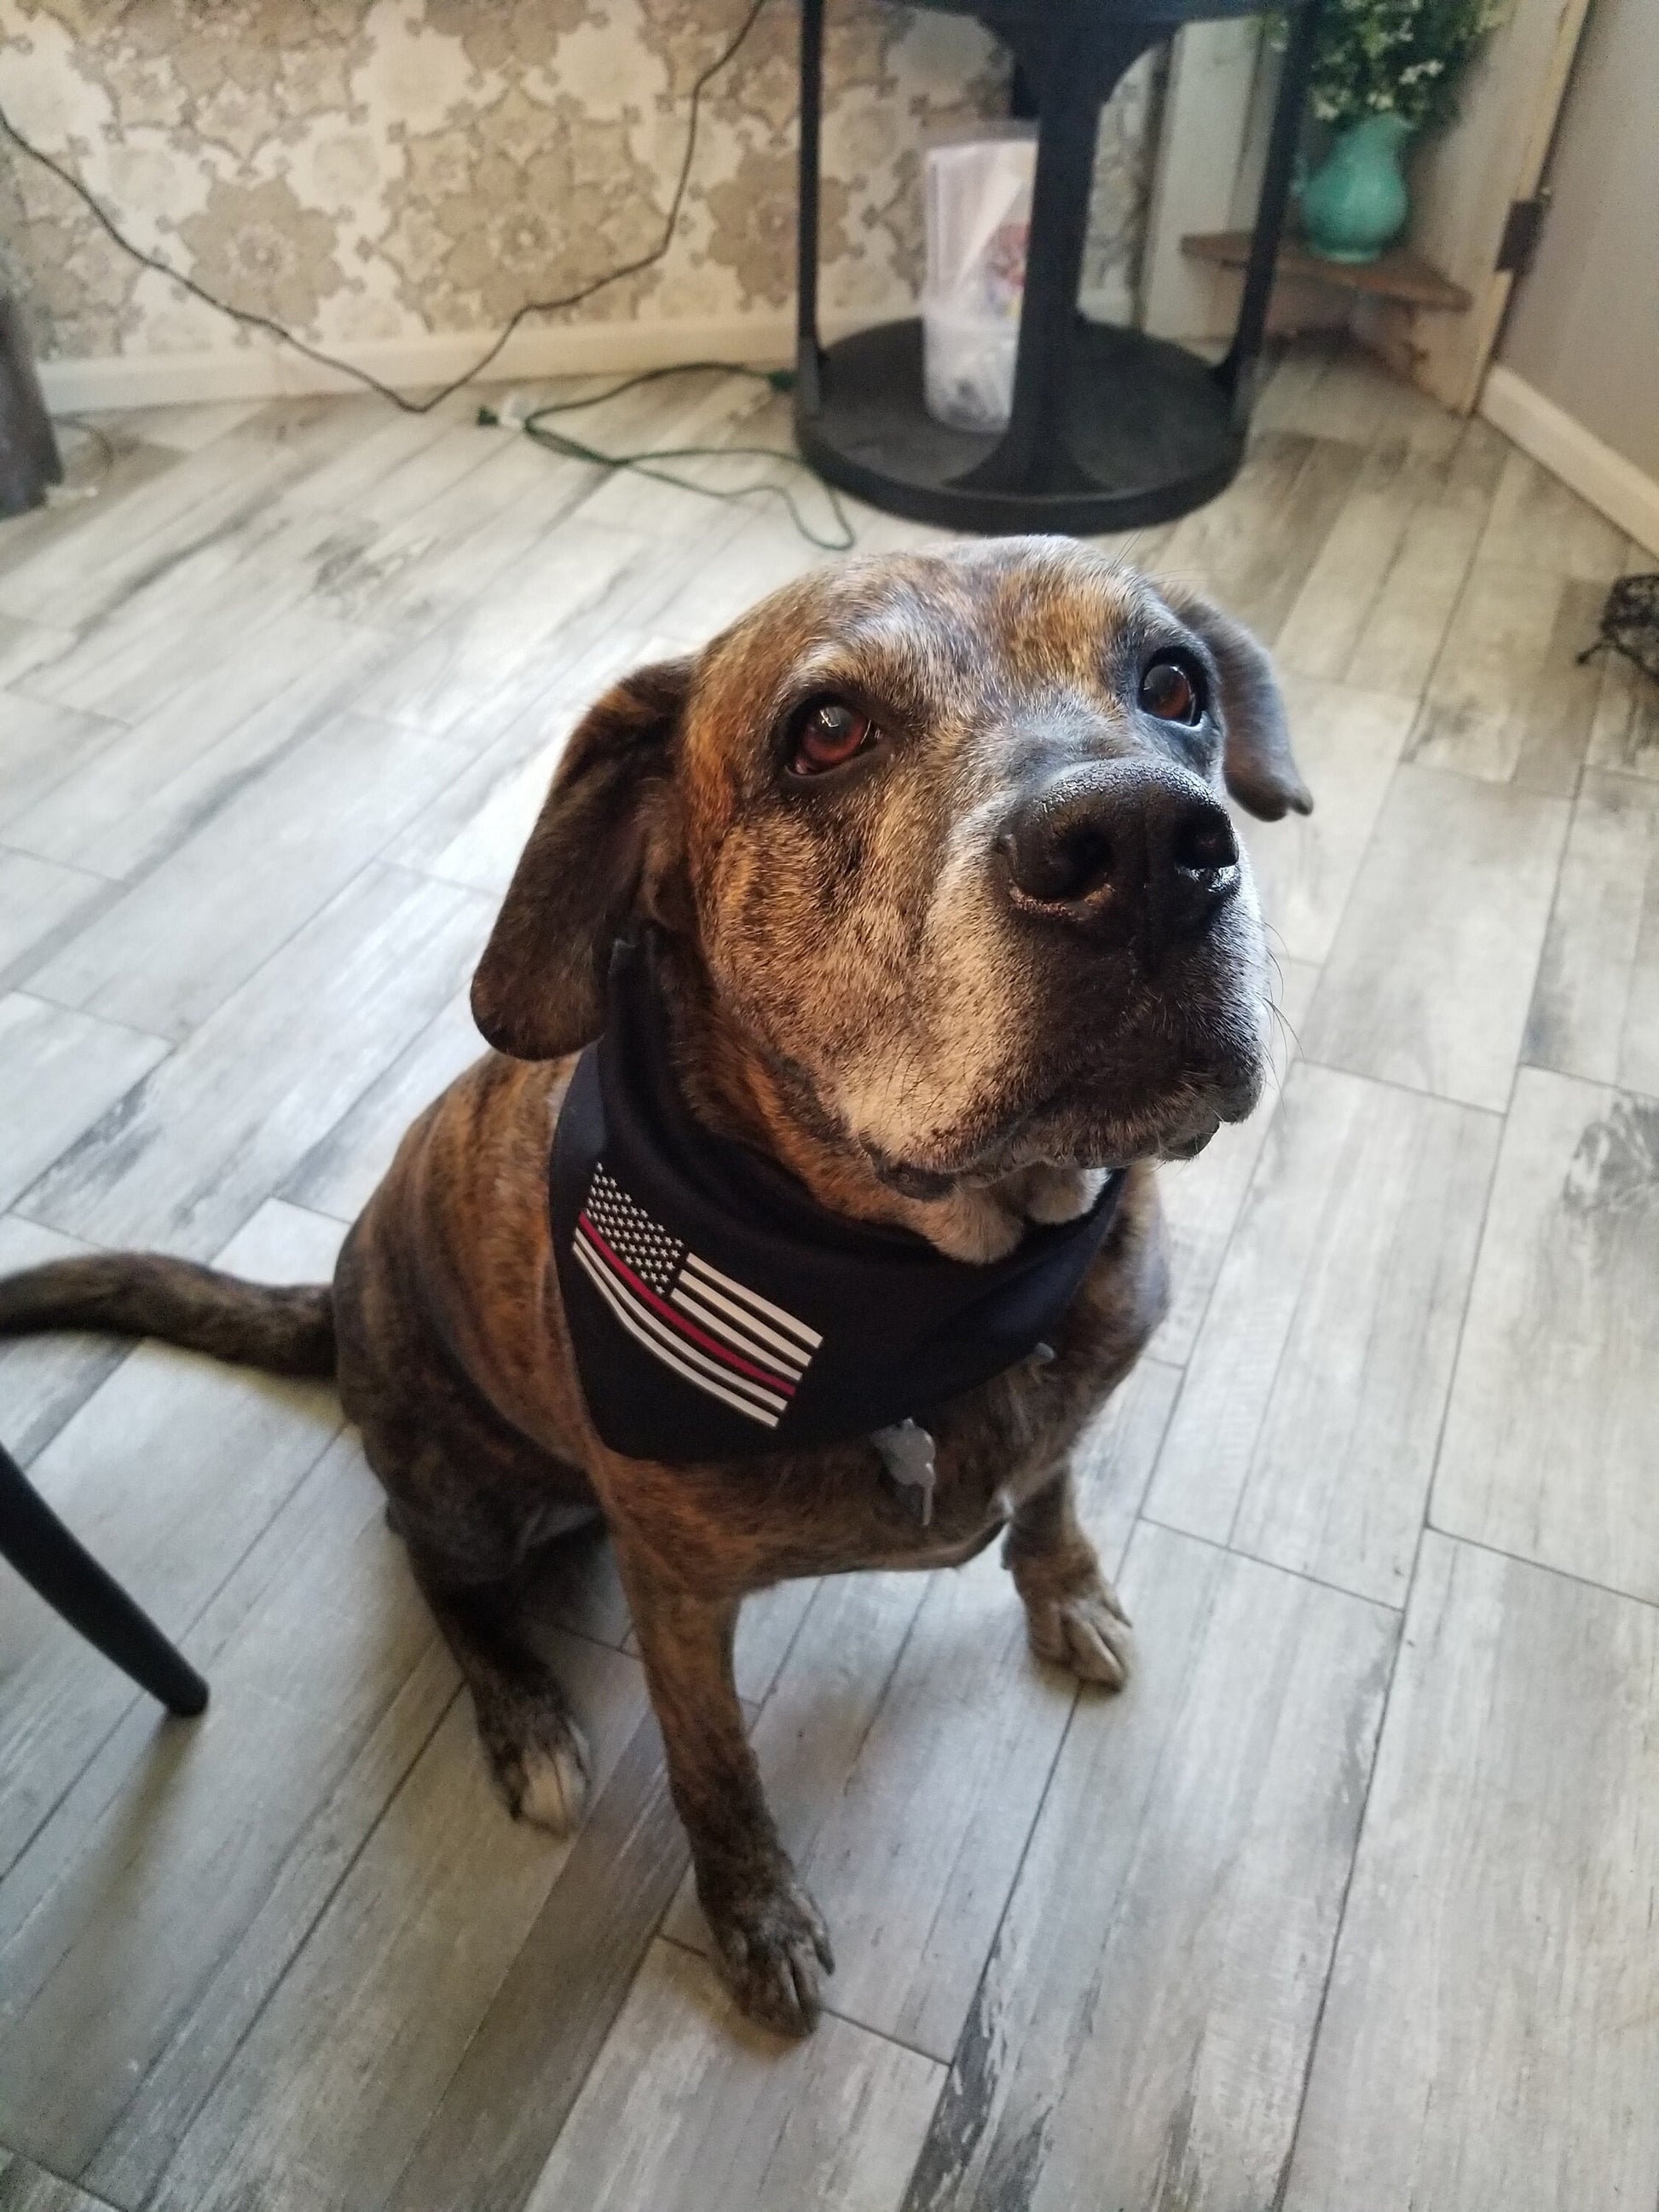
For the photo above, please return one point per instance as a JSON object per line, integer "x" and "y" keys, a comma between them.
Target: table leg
{"x": 54, "y": 1563}
{"x": 808, "y": 363}
{"x": 1032, "y": 454}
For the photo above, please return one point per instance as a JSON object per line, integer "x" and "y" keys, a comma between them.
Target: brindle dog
{"x": 955, "y": 924}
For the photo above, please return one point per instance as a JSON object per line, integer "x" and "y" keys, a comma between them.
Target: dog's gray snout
{"x": 1122, "y": 847}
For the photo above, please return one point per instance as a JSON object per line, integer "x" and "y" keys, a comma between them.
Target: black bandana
{"x": 717, "y": 1310}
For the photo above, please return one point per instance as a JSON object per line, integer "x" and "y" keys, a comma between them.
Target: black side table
{"x": 1110, "y": 427}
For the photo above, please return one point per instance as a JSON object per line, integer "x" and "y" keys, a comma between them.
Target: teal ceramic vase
{"x": 1355, "y": 203}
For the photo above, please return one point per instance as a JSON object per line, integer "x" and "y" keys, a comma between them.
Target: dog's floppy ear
{"x": 1256, "y": 758}
{"x": 539, "y": 990}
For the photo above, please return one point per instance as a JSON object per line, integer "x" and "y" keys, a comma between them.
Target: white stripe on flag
{"x": 809, "y": 1337}
{"x": 737, "y": 1327}
{"x": 675, "y": 1344}
{"x": 630, "y": 1320}
{"x": 790, "y": 1366}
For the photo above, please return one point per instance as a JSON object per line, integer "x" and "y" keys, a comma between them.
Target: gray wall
{"x": 1583, "y": 327}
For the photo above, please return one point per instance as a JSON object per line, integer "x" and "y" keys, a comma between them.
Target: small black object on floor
{"x": 1110, "y": 429}
{"x": 1630, "y": 623}
{"x": 54, "y": 1563}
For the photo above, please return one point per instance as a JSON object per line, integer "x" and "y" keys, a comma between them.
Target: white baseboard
{"x": 265, "y": 370}
{"x": 1571, "y": 452}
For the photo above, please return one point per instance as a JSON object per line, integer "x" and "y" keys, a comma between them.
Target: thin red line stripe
{"x": 676, "y": 1321}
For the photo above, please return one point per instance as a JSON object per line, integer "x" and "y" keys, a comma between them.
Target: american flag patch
{"x": 714, "y": 1333}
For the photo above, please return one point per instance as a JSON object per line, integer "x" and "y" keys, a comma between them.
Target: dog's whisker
{"x": 1292, "y": 1041}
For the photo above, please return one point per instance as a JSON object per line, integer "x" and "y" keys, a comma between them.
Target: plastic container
{"x": 978, "y": 209}
{"x": 967, "y": 367}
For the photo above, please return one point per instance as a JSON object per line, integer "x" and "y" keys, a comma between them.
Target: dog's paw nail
{"x": 773, "y": 1950}
{"x": 1093, "y": 1659}
{"x": 550, "y": 1784}
{"x": 780, "y": 1988}
{"x": 1088, "y": 1634}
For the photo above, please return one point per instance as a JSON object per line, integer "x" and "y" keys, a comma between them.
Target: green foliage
{"x": 1395, "y": 57}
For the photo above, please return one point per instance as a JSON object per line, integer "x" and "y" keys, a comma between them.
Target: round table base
{"x": 1150, "y": 434}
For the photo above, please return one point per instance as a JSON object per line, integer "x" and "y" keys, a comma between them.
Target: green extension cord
{"x": 647, "y": 463}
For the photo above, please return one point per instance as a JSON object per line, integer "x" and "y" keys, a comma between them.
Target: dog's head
{"x": 944, "y": 831}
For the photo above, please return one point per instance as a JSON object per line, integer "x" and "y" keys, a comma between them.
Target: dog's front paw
{"x": 773, "y": 1948}
{"x": 542, "y": 1770}
{"x": 1087, "y": 1631}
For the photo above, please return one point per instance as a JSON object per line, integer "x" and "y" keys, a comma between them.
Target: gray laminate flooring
{"x": 1347, "y": 1904}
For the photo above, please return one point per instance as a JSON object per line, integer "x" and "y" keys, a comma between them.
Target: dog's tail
{"x": 286, "y": 1331}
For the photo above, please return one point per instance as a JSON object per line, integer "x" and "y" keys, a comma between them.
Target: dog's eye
{"x": 828, "y": 733}
{"x": 1172, "y": 690}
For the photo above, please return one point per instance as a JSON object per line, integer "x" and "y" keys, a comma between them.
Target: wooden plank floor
{"x": 1346, "y": 1902}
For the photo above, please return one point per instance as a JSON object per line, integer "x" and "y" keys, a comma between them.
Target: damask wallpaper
{"x": 383, "y": 169}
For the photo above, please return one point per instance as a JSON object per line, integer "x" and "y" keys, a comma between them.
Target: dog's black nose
{"x": 1122, "y": 849}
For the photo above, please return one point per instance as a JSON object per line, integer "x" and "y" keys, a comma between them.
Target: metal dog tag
{"x": 906, "y": 1453}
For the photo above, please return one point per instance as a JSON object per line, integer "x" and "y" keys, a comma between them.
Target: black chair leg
{"x": 66, "y": 1574}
